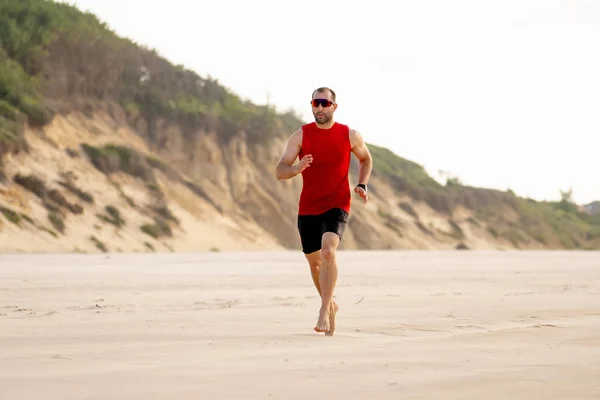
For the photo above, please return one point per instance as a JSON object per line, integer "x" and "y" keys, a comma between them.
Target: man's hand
{"x": 304, "y": 163}
{"x": 362, "y": 193}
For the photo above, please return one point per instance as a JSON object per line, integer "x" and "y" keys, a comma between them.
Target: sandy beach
{"x": 411, "y": 325}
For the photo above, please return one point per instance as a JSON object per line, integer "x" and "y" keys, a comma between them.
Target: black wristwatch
{"x": 362, "y": 185}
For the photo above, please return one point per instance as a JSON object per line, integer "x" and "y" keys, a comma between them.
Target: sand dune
{"x": 411, "y": 325}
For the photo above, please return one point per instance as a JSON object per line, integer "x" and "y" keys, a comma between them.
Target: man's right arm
{"x": 285, "y": 168}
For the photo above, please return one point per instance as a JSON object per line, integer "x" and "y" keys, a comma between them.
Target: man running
{"x": 324, "y": 148}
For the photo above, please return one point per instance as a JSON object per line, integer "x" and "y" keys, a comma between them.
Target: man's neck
{"x": 325, "y": 126}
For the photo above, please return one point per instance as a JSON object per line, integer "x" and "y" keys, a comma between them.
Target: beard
{"x": 322, "y": 119}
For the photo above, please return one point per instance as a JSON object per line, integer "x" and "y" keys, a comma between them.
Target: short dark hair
{"x": 324, "y": 89}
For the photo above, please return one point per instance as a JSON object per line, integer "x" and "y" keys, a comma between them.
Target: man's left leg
{"x": 334, "y": 227}
{"x": 311, "y": 229}
{"x": 315, "y": 262}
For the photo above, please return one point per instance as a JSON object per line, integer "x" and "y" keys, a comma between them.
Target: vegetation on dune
{"x": 411, "y": 178}
{"x": 99, "y": 244}
{"x": 68, "y": 182}
{"x": 11, "y": 215}
{"x": 112, "y": 216}
{"x": 112, "y": 158}
{"x": 556, "y": 224}
{"x": 52, "y": 199}
{"x": 56, "y": 58}
{"x": 115, "y": 158}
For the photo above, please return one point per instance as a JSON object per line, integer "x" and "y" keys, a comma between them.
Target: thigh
{"x": 335, "y": 221}
{"x": 309, "y": 228}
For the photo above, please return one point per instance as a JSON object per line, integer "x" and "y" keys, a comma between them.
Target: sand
{"x": 411, "y": 325}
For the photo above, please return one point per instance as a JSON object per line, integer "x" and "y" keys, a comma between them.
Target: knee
{"x": 328, "y": 254}
{"x": 329, "y": 246}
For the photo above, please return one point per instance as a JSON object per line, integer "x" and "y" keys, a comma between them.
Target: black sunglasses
{"x": 322, "y": 102}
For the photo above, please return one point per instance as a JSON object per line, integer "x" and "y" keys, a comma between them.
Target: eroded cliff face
{"x": 94, "y": 183}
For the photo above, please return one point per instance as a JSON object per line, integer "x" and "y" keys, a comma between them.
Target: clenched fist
{"x": 362, "y": 193}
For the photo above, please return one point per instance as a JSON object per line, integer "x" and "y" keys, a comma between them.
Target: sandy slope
{"x": 255, "y": 211}
{"x": 431, "y": 325}
{"x": 201, "y": 227}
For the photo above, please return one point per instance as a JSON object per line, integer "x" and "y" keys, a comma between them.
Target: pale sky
{"x": 502, "y": 94}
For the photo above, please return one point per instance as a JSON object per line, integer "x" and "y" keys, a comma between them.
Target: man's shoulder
{"x": 344, "y": 127}
{"x": 296, "y": 136}
{"x": 354, "y": 136}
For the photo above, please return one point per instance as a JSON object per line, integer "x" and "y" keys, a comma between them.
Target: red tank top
{"x": 325, "y": 183}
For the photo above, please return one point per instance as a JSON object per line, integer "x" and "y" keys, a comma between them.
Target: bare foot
{"x": 333, "y": 309}
{"x": 323, "y": 321}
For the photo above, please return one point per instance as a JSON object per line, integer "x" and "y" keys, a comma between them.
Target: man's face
{"x": 323, "y": 107}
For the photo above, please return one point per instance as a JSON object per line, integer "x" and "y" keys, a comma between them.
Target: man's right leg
{"x": 310, "y": 229}
{"x": 314, "y": 262}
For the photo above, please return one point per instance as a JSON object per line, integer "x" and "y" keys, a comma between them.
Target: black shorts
{"x": 312, "y": 228}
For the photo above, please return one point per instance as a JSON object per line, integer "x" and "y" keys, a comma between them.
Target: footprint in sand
{"x": 216, "y": 303}
{"x": 97, "y": 307}
{"x": 468, "y": 326}
{"x": 401, "y": 330}
{"x": 292, "y": 304}
{"x": 25, "y": 311}
{"x": 287, "y": 301}
{"x": 282, "y": 298}
{"x": 28, "y": 312}
{"x": 22, "y": 310}
{"x": 544, "y": 326}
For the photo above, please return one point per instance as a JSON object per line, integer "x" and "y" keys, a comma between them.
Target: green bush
{"x": 11, "y": 215}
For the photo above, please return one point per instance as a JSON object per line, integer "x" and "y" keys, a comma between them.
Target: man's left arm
{"x": 363, "y": 155}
